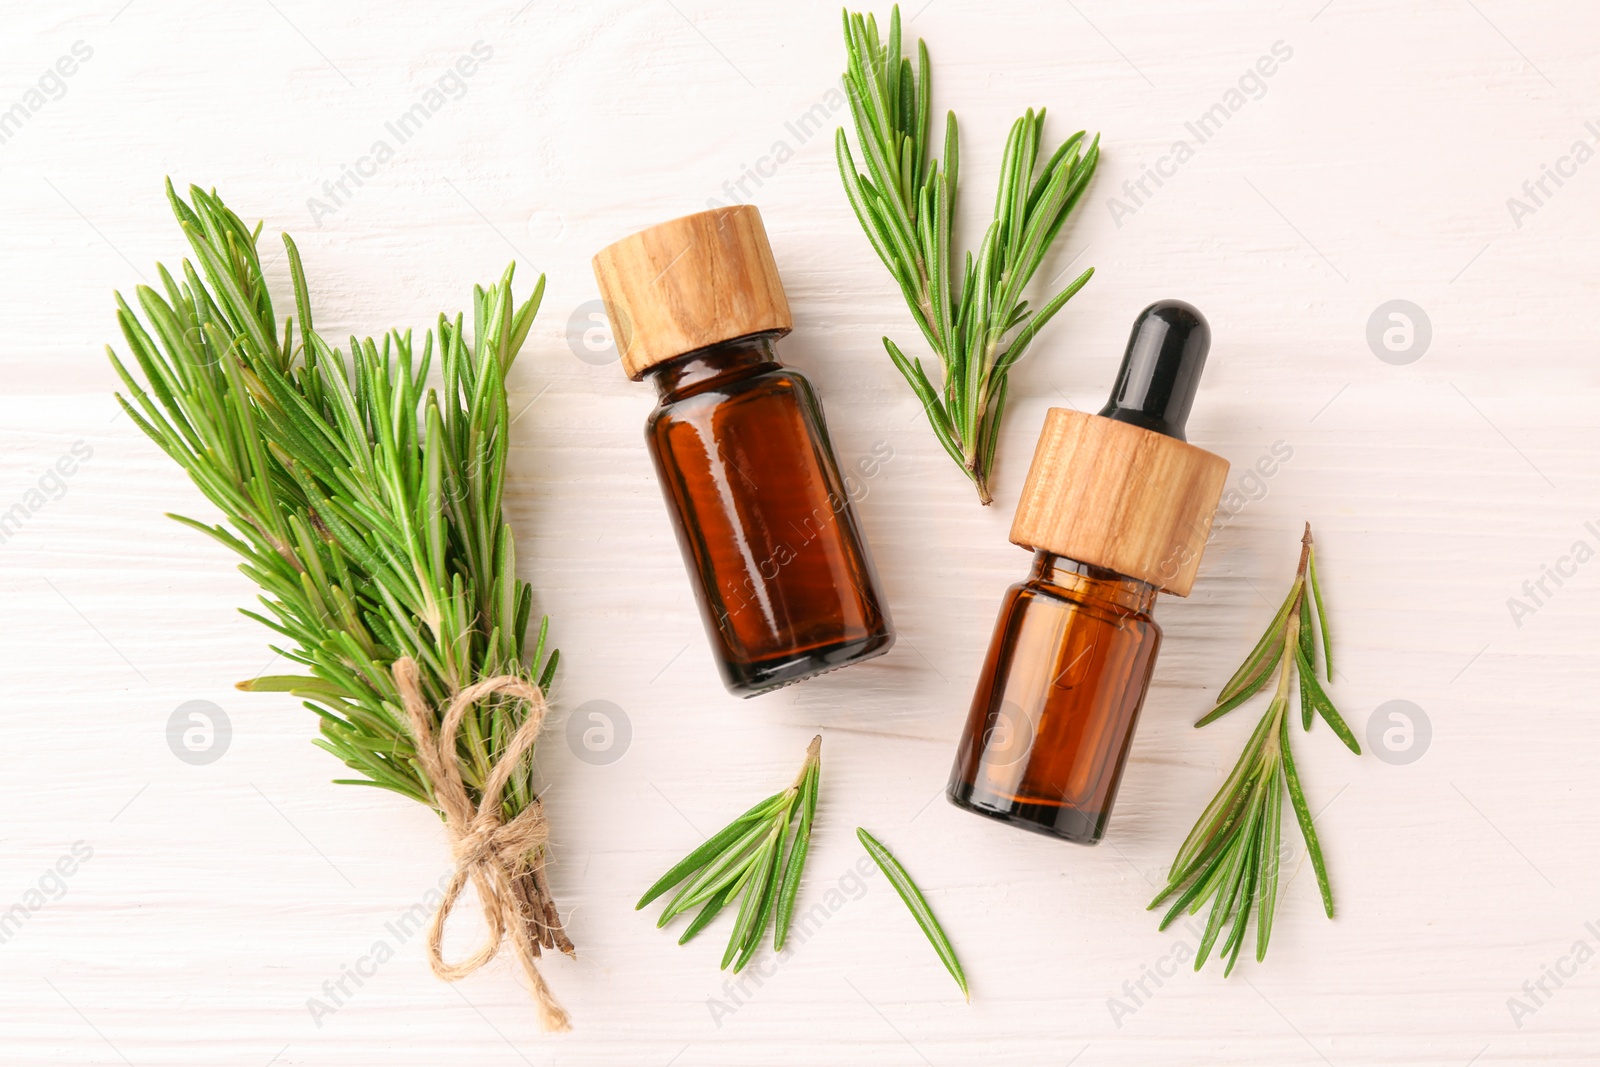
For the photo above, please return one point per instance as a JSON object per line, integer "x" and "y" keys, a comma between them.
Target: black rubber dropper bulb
{"x": 1161, "y": 368}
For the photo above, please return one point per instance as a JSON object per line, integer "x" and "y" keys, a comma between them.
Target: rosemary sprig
{"x": 1230, "y": 858}
{"x": 760, "y": 855}
{"x": 365, "y": 503}
{"x": 977, "y": 323}
{"x": 918, "y": 906}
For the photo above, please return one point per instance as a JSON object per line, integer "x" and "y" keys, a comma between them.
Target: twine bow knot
{"x": 503, "y": 859}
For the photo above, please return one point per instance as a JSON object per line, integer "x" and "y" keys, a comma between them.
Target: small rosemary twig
{"x": 976, "y": 321}
{"x": 1230, "y": 858}
{"x": 760, "y": 855}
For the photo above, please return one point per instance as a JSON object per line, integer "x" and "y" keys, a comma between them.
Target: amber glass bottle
{"x": 763, "y": 517}
{"x": 1117, "y": 506}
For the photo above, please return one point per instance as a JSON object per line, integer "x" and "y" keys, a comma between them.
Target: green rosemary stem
{"x": 974, "y": 319}
{"x": 1231, "y": 857}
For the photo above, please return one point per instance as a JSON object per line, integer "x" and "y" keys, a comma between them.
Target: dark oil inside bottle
{"x": 763, "y": 517}
{"x": 1057, "y": 700}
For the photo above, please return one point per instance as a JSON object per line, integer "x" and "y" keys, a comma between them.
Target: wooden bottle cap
{"x": 1118, "y": 496}
{"x": 690, "y": 283}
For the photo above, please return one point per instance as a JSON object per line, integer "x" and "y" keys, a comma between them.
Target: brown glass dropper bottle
{"x": 1116, "y": 507}
{"x": 764, "y": 519}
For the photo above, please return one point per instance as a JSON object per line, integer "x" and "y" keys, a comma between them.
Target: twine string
{"x": 490, "y": 852}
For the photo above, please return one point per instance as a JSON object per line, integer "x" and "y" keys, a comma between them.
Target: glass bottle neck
{"x": 1084, "y": 581}
{"x": 694, "y": 371}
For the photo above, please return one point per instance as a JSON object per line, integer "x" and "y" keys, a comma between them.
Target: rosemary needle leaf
{"x": 702, "y": 855}
{"x": 1325, "y": 708}
{"x": 1241, "y": 696}
{"x": 1307, "y": 701}
{"x": 918, "y": 906}
{"x": 1239, "y": 907}
{"x": 1302, "y": 814}
{"x": 1306, "y": 653}
{"x": 913, "y": 372}
{"x": 707, "y": 913}
{"x": 1267, "y": 904}
{"x": 755, "y": 897}
{"x": 750, "y": 940}
{"x": 1228, "y": 806}
{"x": 730, "y": 867}
{"x": 1200, "y": 878}
{"x": 801, "y": 844}
{"x": 1322, "y": 614}
{"x": 1266, "y": 653}
{"x": 1308, "y": 641}
{"x": 1238, "y": 860}
{"x": 1230, "y": 860}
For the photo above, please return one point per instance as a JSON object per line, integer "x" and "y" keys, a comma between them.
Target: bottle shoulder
{"x": 1106, "y": 604}
{"x": 773, "y": 381}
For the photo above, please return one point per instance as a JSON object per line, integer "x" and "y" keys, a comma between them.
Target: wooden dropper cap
{"x": 690, "y": 283}
{"x": 1122, "y": 489}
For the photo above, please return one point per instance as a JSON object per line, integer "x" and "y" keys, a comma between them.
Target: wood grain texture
{"x": 1121, "y": 497}
{"x": 1376, "y": 163}
{"x": 688, "y": 284}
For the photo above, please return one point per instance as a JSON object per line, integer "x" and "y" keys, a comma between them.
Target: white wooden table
{"x": 1374, "y": 164}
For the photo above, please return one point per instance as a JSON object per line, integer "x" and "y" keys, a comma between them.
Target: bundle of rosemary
{"x": 366, "y": 504}
{"x": 977, "y": 322}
